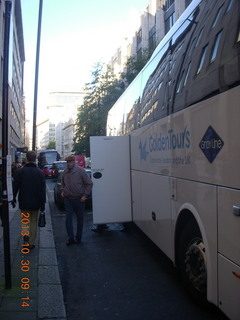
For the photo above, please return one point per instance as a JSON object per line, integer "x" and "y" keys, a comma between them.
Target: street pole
{"x": 5, "y": 209}
{"x": 36, "y": 75}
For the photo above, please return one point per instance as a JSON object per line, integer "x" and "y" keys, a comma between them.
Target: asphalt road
{"x": 119, "y": 275}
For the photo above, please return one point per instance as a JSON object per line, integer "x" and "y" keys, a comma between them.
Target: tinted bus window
{"x": 204, "y": 51}
{"x": 215, "y": 47}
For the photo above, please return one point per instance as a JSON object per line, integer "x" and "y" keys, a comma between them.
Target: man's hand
{"x": 83, "y": 199}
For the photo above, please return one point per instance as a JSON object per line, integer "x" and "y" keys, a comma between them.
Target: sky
{"x": 75, "y": 35}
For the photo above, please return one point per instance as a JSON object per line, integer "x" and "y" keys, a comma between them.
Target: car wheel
{"x": 192, "y": 262}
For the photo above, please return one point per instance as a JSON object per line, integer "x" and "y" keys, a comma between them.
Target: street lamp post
{"x": 36, "y": 75}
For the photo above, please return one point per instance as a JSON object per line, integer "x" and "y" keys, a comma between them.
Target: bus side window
{"x": 215, "y": 47}
{"x": 202, "y": 58}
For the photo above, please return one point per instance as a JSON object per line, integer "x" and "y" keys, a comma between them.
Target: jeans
{"x": 71, "y": 206}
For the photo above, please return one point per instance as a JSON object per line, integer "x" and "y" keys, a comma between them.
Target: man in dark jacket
{"x": 30, "y": 185}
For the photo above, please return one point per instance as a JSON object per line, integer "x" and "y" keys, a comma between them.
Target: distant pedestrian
{"x": 30, "y": 185}
{"x": 76, "y": 187}
{"x": 15, "y": 168}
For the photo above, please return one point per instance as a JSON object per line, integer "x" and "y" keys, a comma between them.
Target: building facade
{"x": 153, "y": 24}
{"x": 16, "y": 104}
{"x": 60, "y": 121}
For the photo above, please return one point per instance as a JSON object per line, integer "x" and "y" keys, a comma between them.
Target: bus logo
{"x": 143, "y": 152}
{"x": 211, "y": 144}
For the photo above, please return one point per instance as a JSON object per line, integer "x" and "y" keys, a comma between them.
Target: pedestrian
{"x": 76, "y": 187}
{"x": 15, "y": 168}
{"x": 30, "y": 185}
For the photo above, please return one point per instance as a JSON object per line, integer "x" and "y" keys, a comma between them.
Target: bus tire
{"x": 192, "y": 262}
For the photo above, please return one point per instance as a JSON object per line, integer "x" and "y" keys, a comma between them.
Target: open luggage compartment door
{"x": 111, "y": 195}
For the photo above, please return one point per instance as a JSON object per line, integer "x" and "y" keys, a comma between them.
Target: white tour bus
{"x": 171, "y": 159}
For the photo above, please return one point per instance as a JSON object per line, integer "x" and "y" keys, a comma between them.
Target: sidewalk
{"x": 40, "y": 296}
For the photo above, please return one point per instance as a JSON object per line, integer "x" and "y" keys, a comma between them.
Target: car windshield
{"x": 61, "y": 165}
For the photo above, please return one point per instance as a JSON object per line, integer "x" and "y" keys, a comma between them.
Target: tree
{"x": 101, "y": 93}
{"x": 51, "y": 145}
{"x": 135, "y": 64}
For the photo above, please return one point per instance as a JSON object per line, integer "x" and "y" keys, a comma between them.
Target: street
{"x": 119, "y": 275}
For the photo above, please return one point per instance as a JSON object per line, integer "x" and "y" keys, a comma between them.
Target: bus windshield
{"x": 47, "y": 157}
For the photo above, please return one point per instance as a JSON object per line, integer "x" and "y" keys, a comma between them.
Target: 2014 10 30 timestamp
{"x": 25, "y": 263}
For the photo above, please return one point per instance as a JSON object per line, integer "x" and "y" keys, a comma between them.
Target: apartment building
{"x": 16, "y": 103}
{"x": 60, "y": 121}
{"x": 153, "y": 23}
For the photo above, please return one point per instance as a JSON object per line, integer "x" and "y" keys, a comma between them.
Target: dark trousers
{"x": 33, "y": 224}
{"x": 74, "y": 206}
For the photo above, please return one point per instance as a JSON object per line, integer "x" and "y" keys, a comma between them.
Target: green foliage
{"x": 101, "y": 93}
{"x": 135, "y": 64}
{"x": 51, "y": 145}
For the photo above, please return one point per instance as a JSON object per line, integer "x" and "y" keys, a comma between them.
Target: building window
{"x": 139, "y": 54}
{"x": 204, "y": 51}
{"x": 215, "y": 47}
{"x": 217, "y": 16}
{"x": 169, "y": 22}
{"x": 180, "y": 83}
{"x": 229, "y": 5}
{"x": 187, "y": 73}
{"x": 238, "y": 38}
{"x": 139, "y": 37}
{"x": 199, "y": 37}
{"x": 152, "y": 38}
{"x": 169, "y": 15}
{"x": 168, "y": 4}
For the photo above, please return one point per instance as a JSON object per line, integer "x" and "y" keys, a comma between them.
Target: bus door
{"x": 110, "y": 165}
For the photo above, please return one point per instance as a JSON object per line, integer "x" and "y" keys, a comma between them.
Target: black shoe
{"x": 99, "y": 228}
{"x": 104, "y": 226}
{"x": 78, "y": 240}
{"x": 96, "y": 229}
{"x": 70, "y": 242}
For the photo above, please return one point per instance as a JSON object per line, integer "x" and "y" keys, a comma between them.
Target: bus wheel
{"x": 192, "y": 262}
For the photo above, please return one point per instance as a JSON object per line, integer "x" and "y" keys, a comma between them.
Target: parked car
{"x": 58, "y": 199}
{"x": 58, "y": 167}
{"x": 47, "y": 170}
